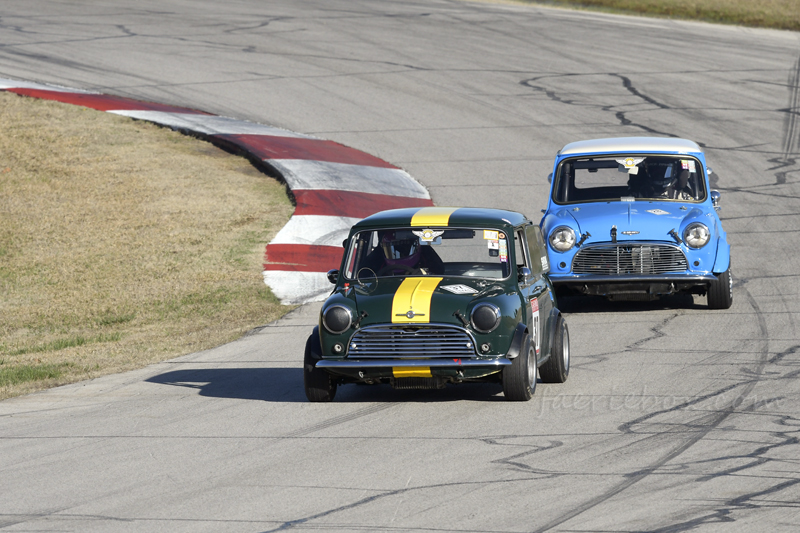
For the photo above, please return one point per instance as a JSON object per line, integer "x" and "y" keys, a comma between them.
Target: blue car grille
{"x": 405, "y": 341}
{"x": 626, "y": 258}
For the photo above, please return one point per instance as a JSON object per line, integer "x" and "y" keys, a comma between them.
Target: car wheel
{"x": 519, "y": 379}
{"x": 320, "y": 385}
{"x": 556, "y": 369}
{"x": 720, "y": 292}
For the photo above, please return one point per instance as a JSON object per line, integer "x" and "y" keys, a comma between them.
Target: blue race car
{"x": 634, "y": 218}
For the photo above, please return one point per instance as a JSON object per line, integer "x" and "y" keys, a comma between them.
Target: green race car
{"x": 430, "y": 296}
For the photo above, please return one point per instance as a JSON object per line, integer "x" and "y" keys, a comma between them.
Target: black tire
{"x": 556, "y": 368}
{"x": 519, "y": 379}
{"x": 720, "y": 292}
{"x": 320, "y": 386}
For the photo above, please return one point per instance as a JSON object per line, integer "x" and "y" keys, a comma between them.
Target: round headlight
{"x": 337, "y": 319}
{"x": 562, "y": 239}
{"x": 696, "y": 235}
{"x": 485, "y": 317}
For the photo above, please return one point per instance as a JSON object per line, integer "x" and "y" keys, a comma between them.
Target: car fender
{"x": 723, "y": 261}
{"x": 551, "y": 335}
{"x": 314, "y": 344}
{"x": 561, "y": 217}
{"x": 516, "y": 342}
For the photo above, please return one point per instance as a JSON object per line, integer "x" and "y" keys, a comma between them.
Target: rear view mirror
{"x": 333, "y": 276}
{"x": 715, "y": 196}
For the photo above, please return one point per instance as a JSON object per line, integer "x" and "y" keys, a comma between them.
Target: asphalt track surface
{"x": 674, "y": 418}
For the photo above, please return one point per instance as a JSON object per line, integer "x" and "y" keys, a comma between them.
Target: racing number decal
{"x": 535, "y": 323}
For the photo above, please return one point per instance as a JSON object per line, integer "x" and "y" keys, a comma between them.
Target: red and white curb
{"x": 334, "y": 186}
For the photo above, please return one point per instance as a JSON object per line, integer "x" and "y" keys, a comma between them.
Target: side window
{"x": 538, "y": 251}
{"x": 520, "y": 250}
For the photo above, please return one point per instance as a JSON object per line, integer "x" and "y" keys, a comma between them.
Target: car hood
{"x": 650, "y": 220}
{"x": 420, "y": 300}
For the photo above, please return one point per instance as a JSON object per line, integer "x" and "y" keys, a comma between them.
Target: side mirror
{"x": 524, "y": 274}
{"x": 333, "y": 276}
{"x": 344, "y": 243}
{"x": 550, "y": 178}
{"x": 715, "y": 199}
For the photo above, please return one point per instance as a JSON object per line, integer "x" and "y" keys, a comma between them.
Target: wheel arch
{"x": 517, "y": 341}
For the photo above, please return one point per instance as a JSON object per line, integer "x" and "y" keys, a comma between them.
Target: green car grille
{"x": 403, "y": 341}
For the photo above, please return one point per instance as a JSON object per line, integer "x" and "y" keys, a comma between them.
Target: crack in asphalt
{"x": 723, "y": 515}
{"x": 512, "y": 462}
{"x": 621, "y": 117}
{"x": 335, "y": 421}
{"x": 782, "y": 166}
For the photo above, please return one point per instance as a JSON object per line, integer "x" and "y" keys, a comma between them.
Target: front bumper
{"x": 412, "y": 363}
{"x": 655, "y": 284}
{"x": 450, "y": 370}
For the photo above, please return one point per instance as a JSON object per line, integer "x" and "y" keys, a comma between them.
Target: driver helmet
{"x": 662, "y": 176}
{"x": 399, "y": 250}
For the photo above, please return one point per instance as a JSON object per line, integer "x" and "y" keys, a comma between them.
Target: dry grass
{"x": 777, "y": 14}
{"x": 122, "y": 243}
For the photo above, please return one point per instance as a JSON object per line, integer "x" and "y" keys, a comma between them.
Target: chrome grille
{"x": 623, "y": 258}
{"x": 411, "y": 341}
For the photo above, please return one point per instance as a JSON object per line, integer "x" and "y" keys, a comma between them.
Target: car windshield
{"x": 629, "y": 177}
{"x": 474, "y": 253}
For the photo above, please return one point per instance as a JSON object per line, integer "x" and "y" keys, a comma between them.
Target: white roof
{"x": 631, "y": 145}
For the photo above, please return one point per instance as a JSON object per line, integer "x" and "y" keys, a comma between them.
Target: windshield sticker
{"x": 494, "y": 245}
{"x": 459, "y": 289}
{"x": 427, "y": 235}
{"x": 658, "y": 211}
{"x": 630, "y": 164}
{"x": 490, "y": 235}
{"x": 545, "y": 264}
{"x": 535, "y": 322}
{"x": 688, "y": 164}
{"x": 503, "y": 251}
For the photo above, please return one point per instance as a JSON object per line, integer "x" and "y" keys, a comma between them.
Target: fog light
{"x": 485, "y": 347}
{"x": 562, "y": 264}
{"x": 697, "y": 263}
{"x": 338, "y": 348}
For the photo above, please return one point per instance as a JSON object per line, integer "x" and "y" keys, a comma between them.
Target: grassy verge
{"x": 122, "y": 243}
{"x": 776, "y": 14}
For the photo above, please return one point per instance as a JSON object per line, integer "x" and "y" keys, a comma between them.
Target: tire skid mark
{"x": 702, "y": 426}
{"x": 757, "y": 456}
{"x": 791, "y": 128}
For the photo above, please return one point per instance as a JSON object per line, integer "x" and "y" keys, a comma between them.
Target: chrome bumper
{"x": 632, "y": 278}
{"x": 427, "y": 363}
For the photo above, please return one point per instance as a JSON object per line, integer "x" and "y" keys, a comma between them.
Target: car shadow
{"x": 384, "y": 393}
{"x": 264, "y": 384}
{"x": 286, "y": 385}
{"x": 601, "y": 304}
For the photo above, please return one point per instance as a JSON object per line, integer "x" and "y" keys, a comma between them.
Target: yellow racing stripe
{"x": 412, "y": 301}
{"x": 432, "y": 216}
